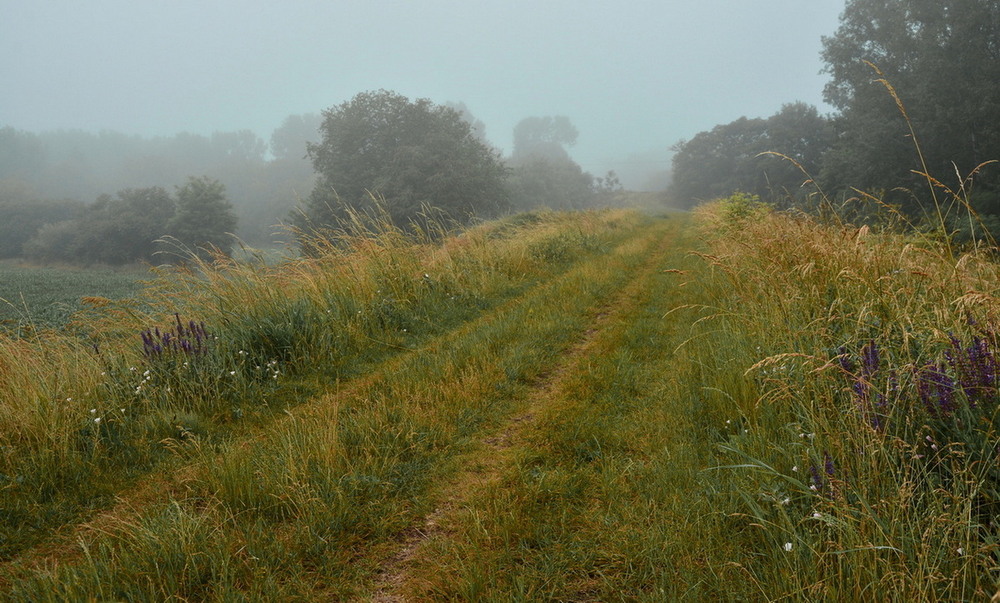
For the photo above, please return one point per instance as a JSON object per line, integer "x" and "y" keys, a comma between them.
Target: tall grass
{"x": 285, "y": 509}
{"x": 793, "y": 409}
{"x": 856, "y": 409}
{"x": 216, "y": 347}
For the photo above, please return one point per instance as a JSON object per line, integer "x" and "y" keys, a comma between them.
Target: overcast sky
{"x": 633, "y": 76}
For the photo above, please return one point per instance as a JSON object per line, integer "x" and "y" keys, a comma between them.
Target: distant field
{"x": 48, "y": 296}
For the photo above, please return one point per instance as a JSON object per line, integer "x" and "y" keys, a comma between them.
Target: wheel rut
{"x": 483, "y": 467}
{"x": 178, "y": 482}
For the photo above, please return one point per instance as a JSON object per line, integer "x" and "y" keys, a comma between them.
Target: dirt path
{"x": 483, "y": 467}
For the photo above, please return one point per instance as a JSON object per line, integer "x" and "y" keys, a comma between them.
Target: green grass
{"x": 152, "y": 409}
{"x": 595, "y": 406}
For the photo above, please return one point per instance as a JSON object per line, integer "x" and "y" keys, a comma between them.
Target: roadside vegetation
{"x": 739, "y": 404}
{"x": 149, "y": 397}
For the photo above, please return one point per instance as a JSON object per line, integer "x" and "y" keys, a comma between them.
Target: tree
{"x": 242, "y": 146}
{"x": 21, "y": 154}
{"x": 555, "y": 183}
{"x": 546, "y": 136}
{"x": 714, "y": 163}
{"x": 735, "y": 156}
{"x": 23, "y": 218}
{"x": 409, "y": 154}
{"x": 942, "y": 59}
{"x": 204, "y": 218}
{"x": 291, "y": 139}
{"x": 477, "y": 125}
{"x": 542, "y": 172}
{"x": 122, "y": 229}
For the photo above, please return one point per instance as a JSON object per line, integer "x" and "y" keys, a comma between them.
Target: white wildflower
{"x": 788, "y": 547}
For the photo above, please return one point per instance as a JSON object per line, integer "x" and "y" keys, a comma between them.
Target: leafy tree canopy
{"x": 125, "y": 228}
{"x": 410, "y": 154}
{"x": 121, "y": 229}
{"x": 290, "y": 140}
{"x": 204, "y": 218}
{"x": 737, "y": 156}
{"x": 477, "y": 125}
{"x": 554, "y": 183}
{"x": 80, "y": 165}
{"x": 23, "y": 217}
{"x": 546, "y": 136}
{"x": 942, "y": 60}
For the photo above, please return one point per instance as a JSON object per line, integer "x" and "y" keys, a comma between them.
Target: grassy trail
{"x": 484, "y": 465}
{"x": 314, "y": 504}
{"x": 592, "y": 489}
{"x": 556, "y": 407}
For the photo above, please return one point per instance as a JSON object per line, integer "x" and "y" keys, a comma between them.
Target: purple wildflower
{"x": 187, "y": 340}
{"x": 974, "y": 366}
{"x": 845, "y": 361}
{"x": 936, "y": 390}
{"x": 871, "y": 406}
{"x": 869, "y": 359}
{"x": 816, "y": 478}
{"x": 820, "y": 481}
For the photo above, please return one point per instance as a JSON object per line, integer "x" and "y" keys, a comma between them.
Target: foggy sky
{"x": 634, "y": 77}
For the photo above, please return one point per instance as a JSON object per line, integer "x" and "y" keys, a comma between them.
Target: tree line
{"x": 46, "y": 177}
{"x": 378, "y": 149}
{"x": 382, "y": 152}
{"x": 133, "y": 225}
{"x": 914, "y": 83}
{"x": 916, "y": 89}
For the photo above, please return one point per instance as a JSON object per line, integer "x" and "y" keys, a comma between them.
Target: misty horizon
{"x": 634, "y": 80}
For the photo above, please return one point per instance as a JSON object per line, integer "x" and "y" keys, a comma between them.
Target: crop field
{"x": 46, "y": 297}
{"x": 596, "y": 406}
